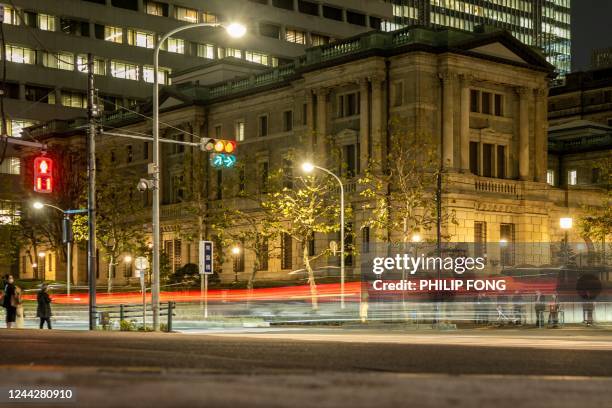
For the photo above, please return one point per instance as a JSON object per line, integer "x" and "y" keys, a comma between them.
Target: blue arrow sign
{"x": 229, "y": 160}
{"x": 219, "y": 160}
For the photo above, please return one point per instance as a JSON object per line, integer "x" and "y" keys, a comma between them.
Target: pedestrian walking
{"x": 10, "y": 302}
{"x": 539, "y": 306}
{"x": 19, "y": 317}
{"x": 554, "y": 309}
{"x": 43, "y": 311}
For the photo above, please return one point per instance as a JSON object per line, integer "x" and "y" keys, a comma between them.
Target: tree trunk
{"x": 251, "y": 282}
{"x": 111, "y": 262}
{"x": 311, "y": 279}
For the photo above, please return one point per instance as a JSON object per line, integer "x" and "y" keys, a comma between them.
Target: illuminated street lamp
{"x": 566, "y": 223}
{"x": 309, "y": 168}
{"x": 41, "y": 254}
{"x": 234, "y": 30}
{"x": 416, "y": 237}
{"x": 235, "y": 254}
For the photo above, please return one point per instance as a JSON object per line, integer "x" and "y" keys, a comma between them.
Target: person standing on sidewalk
{"x": 10, "y": 302}
{"x": 540, "y": 306}
{"x": 43, "y": 311}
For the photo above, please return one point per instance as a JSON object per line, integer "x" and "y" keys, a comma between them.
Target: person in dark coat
{"x": 10, "y": 302}
{"x": 43, "y": 311}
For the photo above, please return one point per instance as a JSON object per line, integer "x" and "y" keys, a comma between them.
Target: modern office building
{"x": 47, "y": 44}
{"x": 541, "y": 23}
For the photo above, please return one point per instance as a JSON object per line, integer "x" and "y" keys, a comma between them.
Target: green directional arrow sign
{"x": 222, "y": 160}
{"x": 229, "y": 160}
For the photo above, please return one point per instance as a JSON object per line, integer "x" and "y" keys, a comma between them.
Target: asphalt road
{"x": 315, "y": 368}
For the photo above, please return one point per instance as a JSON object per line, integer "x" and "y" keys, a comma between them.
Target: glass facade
{"x": 544, "y": 24}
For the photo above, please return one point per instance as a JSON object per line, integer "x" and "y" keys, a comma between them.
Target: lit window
{"x": 140, "y": 39}
{"x": 113, "y": 34}
{"x": 99, "y": 65}
{"x": 20, "y": 55}
{"x": 209, "y": 18}
{"x": 572, "y": 177}
{"x": 10, "y": 165}
{"x": 239, "y": 131}
{"x": 124, "y": 70}
{"x": 10, "y": 15}
{"x": 205, "y": 51}
{"x": 154, "y": 8}
{"x": 163, "y": 75}
{"x": 295, "y": 36}
{"x": 233, "y": 52}
{"x": 10, "y": 213}
{"x": 185, "y": 14}
{"x": 176, "y": 45}
{"x": 16, "y": 126}
{"x": 257, "y": 57}
{"x": 58, "y": 60}
{"x": 46, "y": 22}
{"x": 550, "y": 177}
{"x": 74, "y": 99}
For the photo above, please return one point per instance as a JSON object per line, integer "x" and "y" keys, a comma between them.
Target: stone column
{"x": 523, "y": 133}
{"x": 310, "y": 125}
{"x": 447, "y": 120}
{"x": 321, "y": 133}
{"x": 378, "y": 145}
{"x": 364, "y": 124}
{"x": 541, "y": 134}
{"x": 465, "y": 123}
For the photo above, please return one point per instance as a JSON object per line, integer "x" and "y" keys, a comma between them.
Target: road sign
{"x": 141, "y": 263}
{"x": 206, "y": 258}
{"x": 222, "y": 160}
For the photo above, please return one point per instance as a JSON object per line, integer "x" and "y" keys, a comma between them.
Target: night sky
{"x": 591, "y": 28}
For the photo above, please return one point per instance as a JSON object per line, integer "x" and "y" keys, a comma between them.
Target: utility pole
{"x": 91, "y": 193}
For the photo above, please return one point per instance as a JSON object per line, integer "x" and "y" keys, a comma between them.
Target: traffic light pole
{"x": 91, "y": 193}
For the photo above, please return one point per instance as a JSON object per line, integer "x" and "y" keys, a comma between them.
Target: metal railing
{"x": 105, "y": 314}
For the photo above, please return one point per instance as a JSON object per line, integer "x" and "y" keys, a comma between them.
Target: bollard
{"x": 121, "y": 314}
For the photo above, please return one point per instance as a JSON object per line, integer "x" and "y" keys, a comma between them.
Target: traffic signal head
{"x": 43, "y": 179}
{"x": 218, "y": 145}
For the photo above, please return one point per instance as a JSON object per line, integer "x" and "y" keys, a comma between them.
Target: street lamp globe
{"x": 416, "y": 238}
{"x": 127, "y": 259}
{"x": 236, "y": 250}
{"x": 41, "y": 254}
{"x": 38, "y": 205}
{"x": 566, "y": 223}
{"x": 307, "y": 167}
{"x": 236, "y": 30}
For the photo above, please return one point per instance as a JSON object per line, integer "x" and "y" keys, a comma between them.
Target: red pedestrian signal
{"x": 43, "y": 179}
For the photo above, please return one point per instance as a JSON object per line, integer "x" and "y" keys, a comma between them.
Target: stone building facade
{"x": 483, "y": 95}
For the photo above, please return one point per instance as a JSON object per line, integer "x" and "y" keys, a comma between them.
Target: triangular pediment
{"x": 498, "y": 50}
{"x": 170, "y": 102}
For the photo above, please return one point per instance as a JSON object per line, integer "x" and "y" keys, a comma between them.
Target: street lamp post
{"x": 308, "y": 168}
{"x": 234, "y": 30}
{"x": 67, "y": 236}
{"x": 236, "y": 254}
